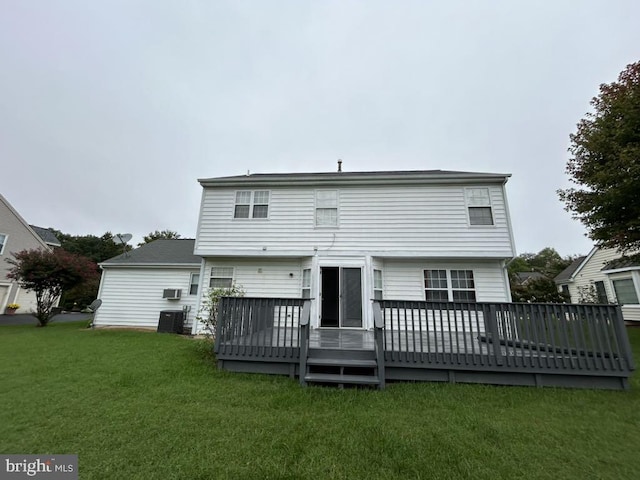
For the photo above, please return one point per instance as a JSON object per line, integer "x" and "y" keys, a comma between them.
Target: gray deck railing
{"x": 258, "y": 328}
{"x": 378, "y": 337}
{"x": 506, "y": 336}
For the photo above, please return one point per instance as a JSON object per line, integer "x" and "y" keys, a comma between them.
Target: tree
{"x": 157, "y": 235}
{"x": 47, "y": 273}
{"x": 97, "y": 249}
{"x": 538, "y": 290}
{"x": 549, "y": 263}
{"x": 605, "y": 163}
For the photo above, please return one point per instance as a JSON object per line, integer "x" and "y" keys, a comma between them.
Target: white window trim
{"x": 467, "y": 206}
{"x": 315, "y": 209}
{"x": 450, "y": 288}
{"x": 4, "y": 244}
{"x": 251, "y": 205}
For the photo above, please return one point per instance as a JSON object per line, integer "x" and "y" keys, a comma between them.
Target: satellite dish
{"x": 95, "y": 305}
{"x": 122, "y": 238}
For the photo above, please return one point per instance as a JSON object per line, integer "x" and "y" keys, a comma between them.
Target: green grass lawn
{"x": 139, "y": 405}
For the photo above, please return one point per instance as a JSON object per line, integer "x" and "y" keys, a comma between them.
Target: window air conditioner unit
{"x": 171, "y": 293}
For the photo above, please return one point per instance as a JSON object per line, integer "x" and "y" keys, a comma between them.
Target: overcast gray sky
{"x": 110, "y": 110}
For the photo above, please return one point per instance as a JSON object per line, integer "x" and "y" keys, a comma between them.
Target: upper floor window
{"x": 251, "y": 204}
{"x": 449, "y": 285}
{"x": 326, "y": 208}
{"x": 221, "y": 277}
{"x": 377, "y": 284}
{"x": 193, "y": 284}
{"x": 3, "y": 242}
{"x": 479, "y": 205}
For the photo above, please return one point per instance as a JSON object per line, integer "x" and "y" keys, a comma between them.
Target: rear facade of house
{"x": 343, "y": 239}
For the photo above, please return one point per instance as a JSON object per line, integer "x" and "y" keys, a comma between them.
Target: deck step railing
{"x": 506, "y": 336}
{"x": 258, "y": 327}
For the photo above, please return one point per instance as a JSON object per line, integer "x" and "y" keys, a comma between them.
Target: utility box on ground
{"x": 171, "y": 321}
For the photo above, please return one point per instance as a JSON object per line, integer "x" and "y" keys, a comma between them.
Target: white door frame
{"x": 364, "y": 264}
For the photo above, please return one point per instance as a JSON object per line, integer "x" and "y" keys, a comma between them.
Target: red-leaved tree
{"x": 48, "y": 273}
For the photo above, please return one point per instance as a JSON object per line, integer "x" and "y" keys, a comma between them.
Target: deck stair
{"x": 341, "y": 367}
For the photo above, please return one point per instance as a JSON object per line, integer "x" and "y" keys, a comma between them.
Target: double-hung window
{"x": 326, "y": 208}
{"x": 449, "y": 285}
{"x": 625, "y": 291}
{"x": 221, "y": 277}
{"x": 3, "y": 242}
{"x": 479, "y": 206}
{"x": 377, "y": 284}
{"x": 193, "y": 284}
{"x": 306, "y": 283}
{"x": 436, "y": 286}
{"x": 463, "y": 286}
{"x": 251, "y": 204}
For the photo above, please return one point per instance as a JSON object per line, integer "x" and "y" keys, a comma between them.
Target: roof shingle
{"x": 566, "y": 274}
{"x": 159, "y": 252}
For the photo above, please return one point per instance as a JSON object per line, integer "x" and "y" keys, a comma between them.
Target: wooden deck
{"x": 537, "y": 345}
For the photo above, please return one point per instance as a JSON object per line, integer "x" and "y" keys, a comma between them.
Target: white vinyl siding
{"x": 405, "y": 221}
{"x": 404, "y": 279}
{"x": 263, "y": 278}
{"x": 132, "y": 297}
{"x": 591, "y": 272}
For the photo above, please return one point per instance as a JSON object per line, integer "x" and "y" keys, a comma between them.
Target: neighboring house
{"x": 343, "y": 239}
{"x": 15, "y": 235}
{"x": 47, "y": 236}
{"x": 133, "y": 284}
{"x": 523, "y": 278}
{"x": 604, "y": 276}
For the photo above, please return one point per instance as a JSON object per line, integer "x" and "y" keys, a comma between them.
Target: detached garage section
{"x": 158, "y": 277}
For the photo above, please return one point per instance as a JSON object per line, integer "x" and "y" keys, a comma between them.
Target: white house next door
{"x": 341, "y": 297}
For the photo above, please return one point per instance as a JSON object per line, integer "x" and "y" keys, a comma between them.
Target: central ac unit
{"x": 172, "y": 293}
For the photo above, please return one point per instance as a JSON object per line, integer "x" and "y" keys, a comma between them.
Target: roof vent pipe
{"x": 339, "y": 165}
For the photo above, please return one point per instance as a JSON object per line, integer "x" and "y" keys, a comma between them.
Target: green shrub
{"x": 208, "y": 313}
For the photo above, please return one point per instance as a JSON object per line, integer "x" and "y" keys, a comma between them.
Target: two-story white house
{"x": 343, "y": 239}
